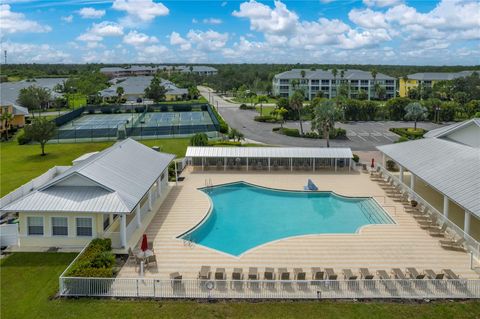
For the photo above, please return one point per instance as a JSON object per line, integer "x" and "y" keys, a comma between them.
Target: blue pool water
{"x": 244, "y": 216}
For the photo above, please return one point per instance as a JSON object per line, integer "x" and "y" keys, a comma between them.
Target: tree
{"x": 6, "y": 119}
{"x": 193, "y": 92}
{"x": 362, "y": 95}
{"x": 396, "y": 107}
{"x": 199, "y": 139}
{"x": 280, "y": 112}
{"x": 472, "y": 108}
{"x": 374, "y": 76}
{"x": 334, "y": 73}
{"x": 380, "y": 91}
{"x": 296, "y": 103}
{"x": 235, "y": 134}
{"x": 34, "y": 97}
{"x": 325, "y": 115}
{"x": 303, "y": 73}
{"x": 155, "y": 91}
{"x": 41, "y": 130}
{"x": 120, "y": 92}
{"x": 262, "y": 99}
{"x": 415, "y": 112}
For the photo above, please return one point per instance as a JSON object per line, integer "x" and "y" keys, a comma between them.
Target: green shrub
{"x": 266, "y": 118}
{"x": 22, "y": 138}
{"x": 225, "y": 143}
{"x": 402, "y": 139}
{"x": 408, "y": 132}
{"x": 311, "y": 135}
{"x": 340, "y": 133}
{"x": 199, "y": 139}
{"x": 391, "y": 166}
{"x": 290, "y": 132}
{"x": 96, "y": 260}
{"x": 223, "y": 125}
{"x": 356, "y": 158}
{"x": 244, "y": 106}
{"x": 276, "y": 129}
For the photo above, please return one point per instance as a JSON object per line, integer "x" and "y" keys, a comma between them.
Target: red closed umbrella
{"x": 373, "y": 163}
{"x": 144, "y": 246}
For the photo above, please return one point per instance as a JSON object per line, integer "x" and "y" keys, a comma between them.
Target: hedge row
{"x": 409, "y": 133}
{"x": 266, "y": 118}
{"x": 96, "y": 260}
{"x": 221, "y": 121}
{"x": 337, "y": 133}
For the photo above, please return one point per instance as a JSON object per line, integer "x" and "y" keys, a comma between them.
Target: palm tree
{"x": 120, "y": 92}
{"x": 325, "y": 115}
{"x": 374, "y": 76}
{"x": 296, "y": 103}
{"x": 335, "y": 72}
{"x": 415, "y": 112}
{"x": 261, "y": 99}
{"x": 303, "y": 73}
{"x": 191, "y": 68}
{"x": 405, "y": 80}
{"x": 6, "y": 118}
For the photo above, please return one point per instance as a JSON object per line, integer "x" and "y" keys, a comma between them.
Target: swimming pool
{"x": 244, "y": 216}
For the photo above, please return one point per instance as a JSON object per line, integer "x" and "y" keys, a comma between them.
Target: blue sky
{"x": 444, "y": 32}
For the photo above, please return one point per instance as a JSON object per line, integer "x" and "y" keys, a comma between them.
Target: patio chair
{"x": 269, "y": 274}
{"x": 176, "y": 279}
{"x": 386, "y": 280}
{"x": 430, "y": 274}
{"x": 151, "y": 259}
{"x": 330, "y": 274}
{"x": 252, "y": 273}
{"x": 283, "y": 274}
{"x": 453, "y": 244}
{"x": 398, "y": 273}
{"x": 348, "y": 274}
{"x": 365, "y": 274}
{"x": 150, "y": 245}
{"x": 438, "y": 232}
{"x": 220, "y": 274}
{"x": 204, "y": 272}
{"x": 237, "y": 274}
{"x": 317, "y": 273}
{"x": 450, "y": 274}
{"x": 299, "y": 274}
{"x": 414, "y": 274}
{"x": 382, "y": 274}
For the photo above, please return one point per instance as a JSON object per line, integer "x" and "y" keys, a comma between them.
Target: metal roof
{"x": 451, "y": 168}
{"x": 350, "y": 74}
{"x": 9, "y": 90}
{"x": 443, "y": 131}
{"x": 272, "y": 152}
{"x": 114, "y": 180}
{"x": 438, "y": 76}
{"x": 136, "y": 85}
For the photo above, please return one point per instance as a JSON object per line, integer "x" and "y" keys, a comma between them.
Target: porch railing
{"x": 472, "y": 244}
{"x": 273, "y": 289}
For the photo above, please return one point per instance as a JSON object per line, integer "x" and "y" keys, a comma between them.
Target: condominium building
{"x": 427, "y": 79}
{"x": 314, "y": 81}
{"x": 142, "y": 70}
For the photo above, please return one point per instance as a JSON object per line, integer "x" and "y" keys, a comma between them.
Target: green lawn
{"x": 254, "y": 100}
{"x": 29, "y": 280}
{"x": 266, "y": 109}
{"x": 21, "y": 163}
{"x": 76, "y": 100}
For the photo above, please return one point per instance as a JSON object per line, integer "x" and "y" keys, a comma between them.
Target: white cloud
{"x": 140, "y": 11}
{"x": 100, "y": 30}
{"x": 368, "y": 18}
{"x": 262, "y": 18}
{"x": 207, "y": 40}
{"x": 33, "y": 53}
{"x": 176, "y": 39}
{"x": 382, "y": 3}
{"x": 153, "y": 53}
{"x": 91, "y": 13}
{"x": 67, "y": 19}
{"x": 14, "y": 22}
{"x": 212, "y": 21}
{"x": 135, "y": 39}
{"x": 194, "y": 21}
{"x": 224, "y": 3}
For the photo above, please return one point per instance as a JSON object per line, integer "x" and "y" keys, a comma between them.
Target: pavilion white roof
{"x": 451, "y": 168}
{"x": 111, "y": 181}
{"x": 272, "y": 152}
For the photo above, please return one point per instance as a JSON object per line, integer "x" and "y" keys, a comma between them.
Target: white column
{"x": 335, "y": 160}
{"x": 466, "y": 225}
{"x": 269, "y": 164}
{"x": 123, "y": 230}
{"x": 138, "y": 217}
{"x": 291, "y": 165}
{"x": 383, "y": 160}
{"x": 176, "y": 174}
{"x": 149, "y": 199}
{"x": 349, "y": 164}
{"x": 412, "y": 181}
{"x": 224, "y": 163}
{"x": 401, "y": 173}
{"x": 247, "y": 164}
{"x": 159, "y": 186}
{"x": 110, "y": 219}
{"x": 313, "y": 164}
{"x": 445, "y": 206}
{"x": 202, "y": 163}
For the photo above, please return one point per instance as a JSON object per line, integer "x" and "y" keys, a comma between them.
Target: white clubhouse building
{"x": 109, "y": 194}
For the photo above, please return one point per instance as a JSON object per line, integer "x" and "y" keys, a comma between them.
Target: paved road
{"x": 364, "y": 136}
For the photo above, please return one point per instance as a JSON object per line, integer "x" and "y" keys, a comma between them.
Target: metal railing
{"x": 472, "y": 244}
{"x": 271, "y": 289}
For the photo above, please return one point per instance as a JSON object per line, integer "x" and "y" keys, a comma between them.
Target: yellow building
{"x": 427, "y": 80}
{"x": 18, "y": 119}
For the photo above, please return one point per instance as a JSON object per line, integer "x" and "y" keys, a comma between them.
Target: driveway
{"x": 363, "y": 136}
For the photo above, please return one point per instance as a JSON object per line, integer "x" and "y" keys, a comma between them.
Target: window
{"x": 59, "y": 226}
{"x": 84, "y": 226}
{"x": 35, "y": 225}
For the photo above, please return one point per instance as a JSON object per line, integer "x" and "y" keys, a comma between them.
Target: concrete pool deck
{"x": 375, "y": 247}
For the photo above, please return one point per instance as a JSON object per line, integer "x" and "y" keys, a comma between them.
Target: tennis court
{"x": 101, "y": 121}
{"x": 177, "y": 118}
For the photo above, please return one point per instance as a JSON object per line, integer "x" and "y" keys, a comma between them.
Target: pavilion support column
{"x": 224, "y": 163}
{"x": 202, "y": 163}
{"x": 383, "y": 160}
{"x": 159, "y": 187}
{"x": 349, "y": 165}
{"x": 138, "y": 217}
{"x": 149, "y": 199}
{"x": 401, "y": 173}
{"x": 466, "y": 225}
{"x": 176, "y": 173}
{"x": 291, "y": 165}
{"x": 335, "y": 160}
{"x": 412, "y": 181}
{"x": 313, "y": 161}
{"x": 269, "y": 164}
{"x": 445, "y": 206}
{"x": 247, "y": 164}
{"x": 123, "y": 230}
